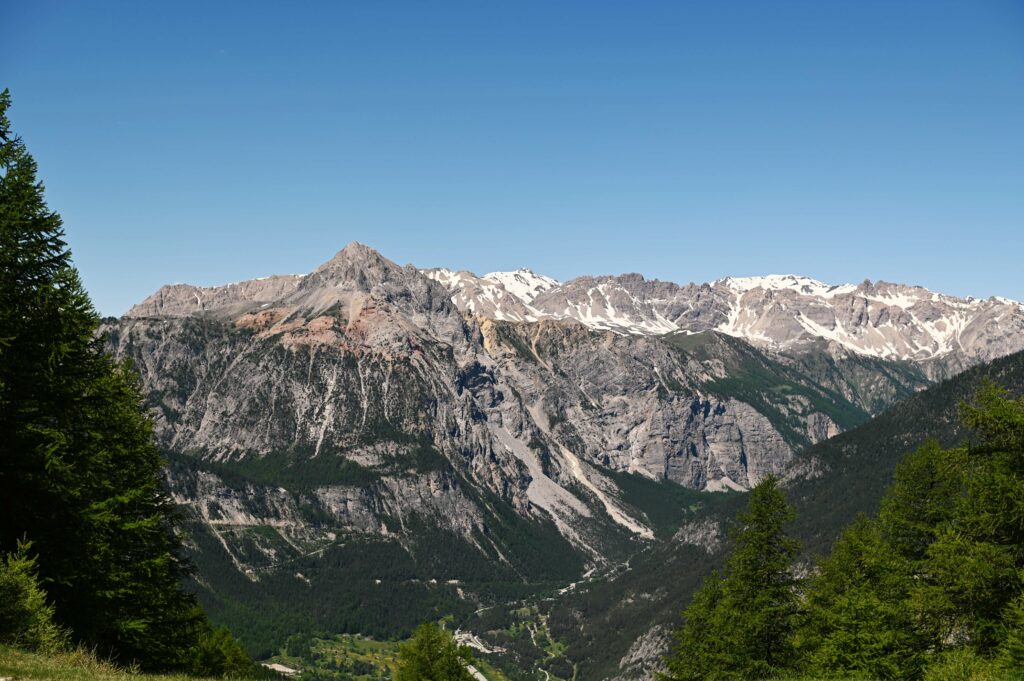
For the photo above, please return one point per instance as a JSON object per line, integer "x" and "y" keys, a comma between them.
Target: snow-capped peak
{"x": 444, "y": 276}
{"x": 791, "y": 282}
{"x": 880, "y": 319}
{"x": 1001, "y": 300}
{"x": 524, "y": 284}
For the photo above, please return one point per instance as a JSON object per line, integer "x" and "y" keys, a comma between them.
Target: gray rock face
{"x": 643, "y": 661}
{"x": 374, "y": 369}
{"x": 182, "y": 300}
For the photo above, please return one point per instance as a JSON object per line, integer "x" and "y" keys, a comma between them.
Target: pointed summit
{"x": 357, "y": 252}
{"x": 357, "y": 271}
{"x": 356, "y": 264}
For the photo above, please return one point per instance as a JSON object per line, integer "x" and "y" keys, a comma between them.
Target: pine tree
{"x": 26, "y": 619}
{"x": 699, "y": 649}
{"x": 923, "y": 496}
{"x": 218, "y": 653}
{"x": 975, "y": 566}
{"x": 742, "y": 625}
{"x": 856, "y": 619}
{"x": 1011, "y": 652}
{"x": 79, "y": 473}
{"x": 433, "y": 655}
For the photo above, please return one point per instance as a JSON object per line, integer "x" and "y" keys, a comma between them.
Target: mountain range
{"x": 778, "y": 312}
{"x": 368, "y": 445}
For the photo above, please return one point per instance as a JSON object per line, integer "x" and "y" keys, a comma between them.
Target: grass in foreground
{"x": 79, "y": 665}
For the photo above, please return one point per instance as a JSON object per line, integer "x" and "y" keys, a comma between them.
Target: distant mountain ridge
{"x": 781, "y": 312}
{"x": 942, "y": 333}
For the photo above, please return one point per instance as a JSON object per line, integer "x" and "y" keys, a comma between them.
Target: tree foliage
{"x": 932, "y": 586}
{"x": 218, "y": 653}
{"x": 1011, "y": 652}
{"x": 433, "y": 655}
{"x": 79, "y": 473}
{"x": 975, "y": 566}
{"x": 854, "y": 619}
{"x": 699, "y": 648}
{"x": 740, "y": 625}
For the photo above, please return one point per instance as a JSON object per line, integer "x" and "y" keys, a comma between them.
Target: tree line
{"x": 931, "y": 587}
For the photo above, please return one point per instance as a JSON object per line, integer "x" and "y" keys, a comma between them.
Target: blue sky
{"x": 211, "y": 142}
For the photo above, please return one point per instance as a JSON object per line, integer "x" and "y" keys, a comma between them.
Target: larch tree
{"x": 740, "y": 626}
{"x": 79, "y": 471}
{"x": 936, "y": 582}
{"x": 433, "y": 655}
{"x": 856, "y": 620}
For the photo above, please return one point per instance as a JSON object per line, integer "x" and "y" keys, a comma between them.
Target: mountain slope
{"x": 362, "y": 346}
{"x": 619, "y": 626}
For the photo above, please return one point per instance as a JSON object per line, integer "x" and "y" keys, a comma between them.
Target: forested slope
{"x": 602, "y": 620}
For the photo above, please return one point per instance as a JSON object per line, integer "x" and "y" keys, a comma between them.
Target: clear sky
{"x": 208, "y": 142}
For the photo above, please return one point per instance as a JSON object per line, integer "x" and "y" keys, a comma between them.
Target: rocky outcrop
{"x": 643, "y": 661}
{"x": 183, "y": 300}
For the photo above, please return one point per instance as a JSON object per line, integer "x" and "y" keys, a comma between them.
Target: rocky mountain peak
{"x": 786, "y": 282}
{"x": 183, "y": 300}
{"x": 359, "y": 253}
{"x": 357, "y": 267}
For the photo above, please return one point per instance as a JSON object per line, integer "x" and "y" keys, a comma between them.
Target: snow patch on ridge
{"x": 444, "y": 276}
{"x": 524, "y": 284}
{"x": 790, "y": 282}
{"x": 881, "y": 319}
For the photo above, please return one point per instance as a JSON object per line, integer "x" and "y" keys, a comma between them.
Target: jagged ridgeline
{"x": 369, "y": 446}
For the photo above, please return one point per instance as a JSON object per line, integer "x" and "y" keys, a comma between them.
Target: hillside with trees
{"x": 600, "y": 620}
{"x": 932, "y": 586}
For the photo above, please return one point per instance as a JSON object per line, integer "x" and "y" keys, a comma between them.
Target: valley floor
{"x": 361, "y": 658}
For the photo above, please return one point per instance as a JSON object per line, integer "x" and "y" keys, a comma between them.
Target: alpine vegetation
{"x": 931, "y": 587}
